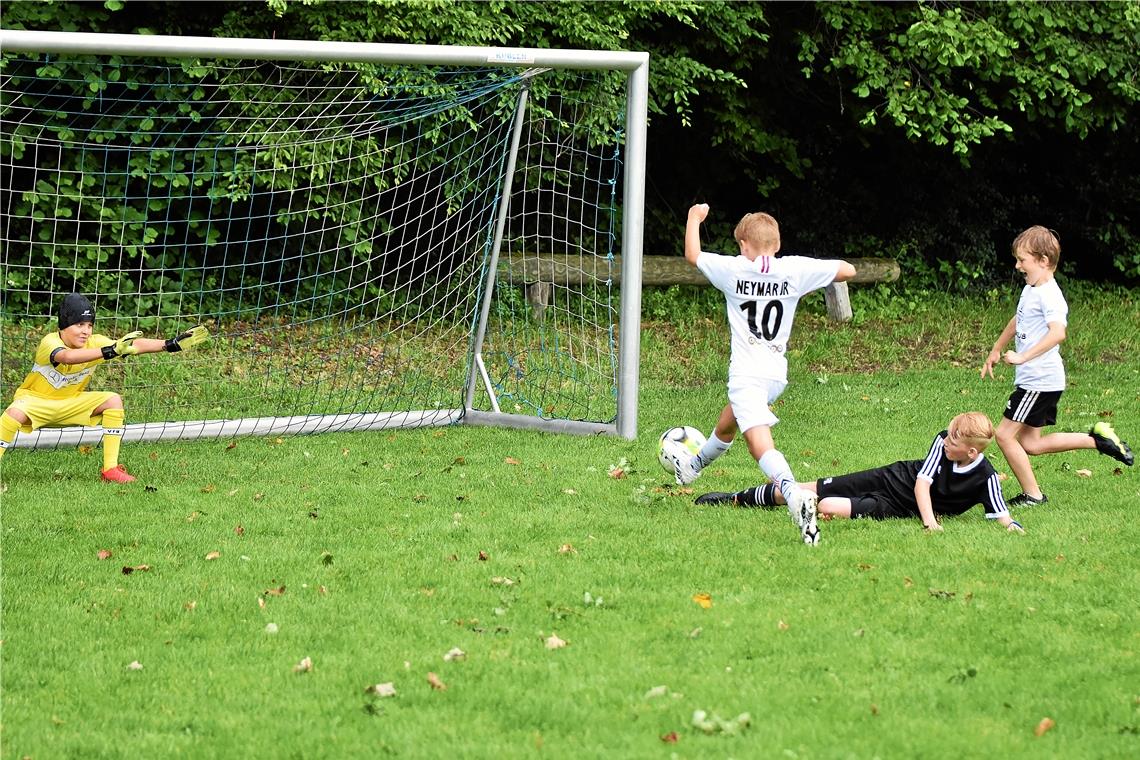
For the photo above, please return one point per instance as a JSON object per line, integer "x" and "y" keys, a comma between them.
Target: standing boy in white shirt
{"x": 1039, "y": 375}
{"x": 761, "y": 293}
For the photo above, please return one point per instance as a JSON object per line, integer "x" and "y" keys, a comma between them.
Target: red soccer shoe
{"x": 118, "y": 474}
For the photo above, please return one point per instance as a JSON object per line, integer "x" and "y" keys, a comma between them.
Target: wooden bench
{"x": 539, "y": 274}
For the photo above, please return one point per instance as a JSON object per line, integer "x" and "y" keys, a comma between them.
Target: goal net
{"x": 357, "y": 225}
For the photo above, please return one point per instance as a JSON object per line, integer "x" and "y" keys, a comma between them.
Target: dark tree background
{"x": 931, "y": 132}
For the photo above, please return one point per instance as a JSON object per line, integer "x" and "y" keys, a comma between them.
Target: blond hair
{"x": 1039, "y": 242}
{"x": 760, "y": 229}
{"x": 973, "y": 428}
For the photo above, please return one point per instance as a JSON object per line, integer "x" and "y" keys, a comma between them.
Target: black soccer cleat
{"x": 1108, "y": 442}
{"x": 716, "y": 497}
{"x": 1025, "y": 500}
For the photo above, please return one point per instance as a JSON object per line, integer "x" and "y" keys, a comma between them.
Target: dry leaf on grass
{"x": 135, "y": 665}
{"x": 304, "y": 666}
{"x": 511, "y": 460}
{"x": 455, "y": 653}
{"x": 782, "y": 625}
{"x": 280, "y": 590}
{"x": 1045, "y": 725}
{"x": 705, "y": 600}
{"x": 104, "y": 554}
{"x": 553, "y": 642}
{"x": 567, "y": 549}
{"x": 213, "y": 555}
{"x": 670, "y": 738}
{"x": 1083, "y": 473}
{"x": 436, "y": 684}
{"x": 382, "y": 689}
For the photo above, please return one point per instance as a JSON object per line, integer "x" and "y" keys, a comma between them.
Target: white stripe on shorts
{"x": 1026, "y": 406}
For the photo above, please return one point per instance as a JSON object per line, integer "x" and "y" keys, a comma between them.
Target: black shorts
{"x": 869, "y": 494}
{"x": 1033, "y": 408}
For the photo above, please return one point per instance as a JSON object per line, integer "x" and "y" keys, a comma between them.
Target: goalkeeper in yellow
{"x": 53, "y": 395}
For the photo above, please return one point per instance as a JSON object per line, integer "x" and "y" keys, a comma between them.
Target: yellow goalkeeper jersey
{"x": 60, "y": 381}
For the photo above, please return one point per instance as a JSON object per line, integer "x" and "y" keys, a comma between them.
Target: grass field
{"x": 374, "y": 556}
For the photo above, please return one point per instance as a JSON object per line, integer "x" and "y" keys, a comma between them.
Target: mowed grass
{"x": 374, "y": 555}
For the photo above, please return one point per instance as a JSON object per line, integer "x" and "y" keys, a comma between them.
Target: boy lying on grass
{"x": 953, "y": 477}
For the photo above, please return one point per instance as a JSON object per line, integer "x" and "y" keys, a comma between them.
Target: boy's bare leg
{"x": 835, "y": 506}
{"x": 1035, "y": 443}
{"x": 726, "y": 425}
{"x": 1009, "y": 436}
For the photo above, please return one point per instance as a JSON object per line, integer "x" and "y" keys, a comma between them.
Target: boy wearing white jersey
{"x": 1039, "y": 375}
{"x": 761, "y": 292}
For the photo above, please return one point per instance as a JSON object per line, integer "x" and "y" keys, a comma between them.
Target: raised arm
{"x": 132, "y": 344}
{"x": 697, "y": 215}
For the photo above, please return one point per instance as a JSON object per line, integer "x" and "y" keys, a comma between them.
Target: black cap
{"x": 75, "y": 309}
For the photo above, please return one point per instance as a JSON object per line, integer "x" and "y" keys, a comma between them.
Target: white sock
{"x": 776, "y": 468}
{"x": 712, "y": 449}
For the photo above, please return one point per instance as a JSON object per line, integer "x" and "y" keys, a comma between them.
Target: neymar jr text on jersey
{"x": 761, "y": 289}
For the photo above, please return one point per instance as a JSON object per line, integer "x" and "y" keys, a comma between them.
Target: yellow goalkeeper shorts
{"x": 55, "y": 412}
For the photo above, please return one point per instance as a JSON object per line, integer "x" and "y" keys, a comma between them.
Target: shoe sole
{"x": 809, "y": 528}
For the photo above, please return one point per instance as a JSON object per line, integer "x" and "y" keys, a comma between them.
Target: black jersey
{"x": 954, "y": 488}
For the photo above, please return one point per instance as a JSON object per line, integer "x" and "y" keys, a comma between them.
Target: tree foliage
{"x": 930, "y": 131}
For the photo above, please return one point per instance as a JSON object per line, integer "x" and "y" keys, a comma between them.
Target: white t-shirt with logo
{"x": 761, "y": 298}
{"x": 1039, "y": 305}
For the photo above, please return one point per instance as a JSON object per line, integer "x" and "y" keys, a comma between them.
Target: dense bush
{"x": 928, "y": 132}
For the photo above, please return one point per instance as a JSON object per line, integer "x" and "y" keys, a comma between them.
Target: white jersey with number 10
{"x": 761, "y": 300}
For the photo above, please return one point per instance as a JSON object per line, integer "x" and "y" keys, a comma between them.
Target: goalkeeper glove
{"x": 1015, "y": 527}
{"x": 124, "y": 346}
{"x": 188, "y": 339}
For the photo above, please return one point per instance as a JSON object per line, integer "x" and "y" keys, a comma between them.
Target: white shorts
{"x": 750, "y": 398}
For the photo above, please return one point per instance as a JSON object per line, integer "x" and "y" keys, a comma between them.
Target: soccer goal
{"x": 352, "y": 221}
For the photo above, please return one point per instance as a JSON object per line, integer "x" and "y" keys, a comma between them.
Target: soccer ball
{"x": 678, "y": 444}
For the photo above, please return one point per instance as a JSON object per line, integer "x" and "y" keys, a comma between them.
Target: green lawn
{"x": 374, "y": 555}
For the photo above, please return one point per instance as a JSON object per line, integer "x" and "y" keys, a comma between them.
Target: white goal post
{"x": 336, "y": 213}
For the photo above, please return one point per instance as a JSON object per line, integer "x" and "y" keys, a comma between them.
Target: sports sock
{"x": 760, "y": 496}
{"x": 766, "y": 495}
{"x": 712, "y": 449}
{"x": 8, "y": 429}
{"x": 776, "y": 468}
{"x": 112, "y": 436}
